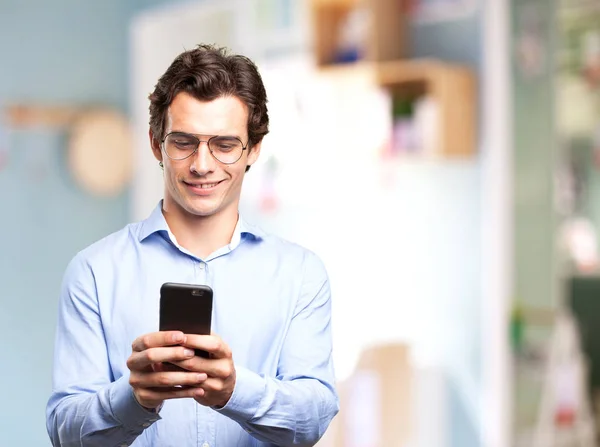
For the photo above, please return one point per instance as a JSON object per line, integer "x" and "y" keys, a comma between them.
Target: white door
{"x": 157, "y": 37}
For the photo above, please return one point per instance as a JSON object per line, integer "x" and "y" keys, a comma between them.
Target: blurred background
{"x": 441, "y": 156}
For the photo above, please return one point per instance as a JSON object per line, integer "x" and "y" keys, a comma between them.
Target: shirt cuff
{"x": 247, "y": 394}
{"x": 127, "y": 410}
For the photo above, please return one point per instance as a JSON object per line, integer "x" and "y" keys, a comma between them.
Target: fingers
{"x": 212, "y": 344}
{"x": 153, "y": 388}
{"x": 217, "y": 392}
{"x": 217, "y": 368}
{"x": 212, "y": 385}
{"x": 154, "y": 377}
{"x": 140, "y": 361}
{"x": 152, "y": 397}
{"x": 166, "y": 381}
{"x": 160, "y": 367}
{"x": 158, "y": 339}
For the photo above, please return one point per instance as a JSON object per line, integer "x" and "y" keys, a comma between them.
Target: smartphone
{"x": 186, "y": 308}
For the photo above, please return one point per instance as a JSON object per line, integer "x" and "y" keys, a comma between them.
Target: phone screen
{"x": 186, "y": 308}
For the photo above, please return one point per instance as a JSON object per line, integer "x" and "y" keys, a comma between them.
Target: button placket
{"x": 200, "y": 272}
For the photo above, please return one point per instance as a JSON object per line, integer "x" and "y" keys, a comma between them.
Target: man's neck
{"x": 200, "y": 235}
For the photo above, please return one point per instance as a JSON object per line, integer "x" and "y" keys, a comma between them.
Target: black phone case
{"x": 186, "y": 308}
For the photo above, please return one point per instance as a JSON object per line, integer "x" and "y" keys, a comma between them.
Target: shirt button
{"x": 206, "y": 444}
{"x": 201, "y": 266}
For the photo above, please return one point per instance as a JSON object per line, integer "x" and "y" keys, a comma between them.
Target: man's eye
{"x": 182, "y": 143}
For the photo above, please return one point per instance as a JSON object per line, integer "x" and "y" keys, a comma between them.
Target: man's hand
{"x": 217, "y": 389}
{"x": 152, "y": 383}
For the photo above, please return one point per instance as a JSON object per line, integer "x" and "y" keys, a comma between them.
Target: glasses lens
{"x": 226, "y": 149}
{"x": 180, "y": 145}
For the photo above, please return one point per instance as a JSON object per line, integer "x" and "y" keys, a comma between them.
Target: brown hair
{"x": 208, "y": 72}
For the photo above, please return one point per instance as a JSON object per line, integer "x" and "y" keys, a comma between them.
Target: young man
{"x": 270, "y": 378}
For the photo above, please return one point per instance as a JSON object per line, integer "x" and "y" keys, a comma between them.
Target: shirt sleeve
{"x": 296, "y": 407}
{"x": 88, "y": 407}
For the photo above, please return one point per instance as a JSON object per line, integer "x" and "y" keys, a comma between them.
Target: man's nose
{"x": 202, "y": 160}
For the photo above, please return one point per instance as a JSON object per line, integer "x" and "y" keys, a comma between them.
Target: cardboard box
{"x": 375, "y": 401}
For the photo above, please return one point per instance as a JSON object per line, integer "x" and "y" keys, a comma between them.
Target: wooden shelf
{"x": 386, "y": 38}
{"x": 384, "y": 62}
{"x": 334, "y": 3}
{"x": 452, "y": 87}
{"x": 28, "y": 115}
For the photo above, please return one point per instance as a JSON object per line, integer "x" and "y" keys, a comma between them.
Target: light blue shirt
{"x": 271, "y": 306}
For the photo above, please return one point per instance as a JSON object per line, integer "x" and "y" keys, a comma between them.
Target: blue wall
{"x": 59, "y": 52}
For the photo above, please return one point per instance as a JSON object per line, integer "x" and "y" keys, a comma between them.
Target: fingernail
{"x": 201, "y": 377}
{"x": 188, "y": 352}
{"x": 177, "y": 338}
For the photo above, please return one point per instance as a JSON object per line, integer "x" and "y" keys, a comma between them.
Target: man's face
{"x": 201, "y": 185}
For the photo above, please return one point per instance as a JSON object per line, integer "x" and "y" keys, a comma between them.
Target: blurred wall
{"x": 533, "y": 27}
{"x": 460, "y": 41}
{"x": 59, "y": 52}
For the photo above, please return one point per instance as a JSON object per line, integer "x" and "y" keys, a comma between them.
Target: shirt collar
{"x": 155, "y": 223}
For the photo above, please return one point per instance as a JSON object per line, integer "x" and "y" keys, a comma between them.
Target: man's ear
{"x": 155, "y": 144}
{"x": 253, "y": 154}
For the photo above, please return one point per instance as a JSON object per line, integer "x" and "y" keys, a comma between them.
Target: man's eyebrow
{"x": 208, "y": 134}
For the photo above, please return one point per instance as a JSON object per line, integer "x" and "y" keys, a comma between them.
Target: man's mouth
{"x": 205, "y": 186}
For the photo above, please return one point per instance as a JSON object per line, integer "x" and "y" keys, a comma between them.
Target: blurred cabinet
{"x": 451, "y": 87}
{"x": 369, "y": 38}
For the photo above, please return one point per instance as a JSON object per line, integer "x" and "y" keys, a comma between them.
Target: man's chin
{"x": 202, "y": 210}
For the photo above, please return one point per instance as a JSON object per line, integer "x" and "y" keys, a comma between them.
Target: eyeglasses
{"x": 181, "y": 145}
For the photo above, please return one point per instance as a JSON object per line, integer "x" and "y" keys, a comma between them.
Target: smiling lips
{"x": 204, "y": 185}
{"x": 202, "y": 188}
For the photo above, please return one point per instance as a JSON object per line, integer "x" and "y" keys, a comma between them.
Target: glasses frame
{"x": 197, "y": 136}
